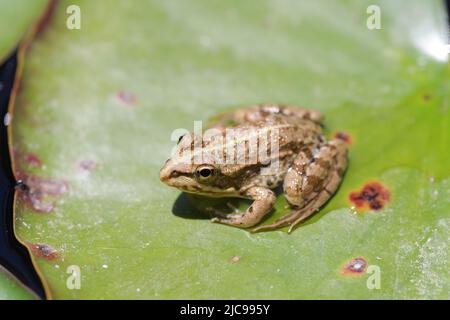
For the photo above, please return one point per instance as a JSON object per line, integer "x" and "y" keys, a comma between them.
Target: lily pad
{"x": 16, "y": 18}
{"x": 10, "y": 289}
{"x": 93, "y": 123}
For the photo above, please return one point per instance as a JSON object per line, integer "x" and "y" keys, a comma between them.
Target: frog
{"x": 309, "y": 167}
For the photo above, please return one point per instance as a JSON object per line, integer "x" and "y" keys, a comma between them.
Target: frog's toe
{"x": 300, "y": 218}
{"x": 227, "y": 221}
{"x": 239, "y": 221}
{"x": 214, "y": 220}
{"x": 220, "y": 220}
{"x": 274, "y": 226}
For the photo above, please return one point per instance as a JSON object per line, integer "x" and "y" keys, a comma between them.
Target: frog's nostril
{"x": 174, "y": 174}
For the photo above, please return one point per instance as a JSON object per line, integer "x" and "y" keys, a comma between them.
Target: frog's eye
{"x": 180, "y": 138}
{"x": 205, "y": 172}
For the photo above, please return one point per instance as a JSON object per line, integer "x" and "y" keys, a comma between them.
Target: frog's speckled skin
{"x": 310, "y": 167}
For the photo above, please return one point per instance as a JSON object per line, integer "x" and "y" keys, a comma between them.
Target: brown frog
{"x": 269, "y": 145}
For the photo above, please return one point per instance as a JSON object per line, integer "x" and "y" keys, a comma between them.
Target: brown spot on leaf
{"x": 373, "y": 196}
{"x": 126, "y": 98}
{"x": 235, "y": 259}
{"x": 40, "y": 193}
{"x": 356, "y": 266}
{"x": 426, "y": 97}
{"x": 43, "y": 251}
{"x": 344, "y": 136}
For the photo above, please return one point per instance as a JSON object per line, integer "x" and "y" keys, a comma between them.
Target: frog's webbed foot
{"x": 264, "y": 200}
{"x": 311, "y": 182}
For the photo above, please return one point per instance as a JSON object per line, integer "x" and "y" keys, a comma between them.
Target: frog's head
{"x": 190, "y": 178}
{"x": 185, "y": 172}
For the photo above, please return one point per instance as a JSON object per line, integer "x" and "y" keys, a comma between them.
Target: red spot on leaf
{"x": 40, "y": 193}
{"x": 126, "y": 98}
{"x": 29, "y": 158}
{"x": 43, "y": 251}
{"x": 33, "y": 160}
{"x": 344, "y": 136}
{"x": 235, "y": 259}
{"x": 373, "y": 196}
{"x": 356, "y": 266}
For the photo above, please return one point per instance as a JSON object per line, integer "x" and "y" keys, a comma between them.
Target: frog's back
{"x": 274, "y": 139}
{"x": 264, "y": 112}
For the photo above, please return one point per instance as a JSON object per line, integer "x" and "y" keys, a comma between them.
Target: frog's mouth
{"x": 208, "y": 191}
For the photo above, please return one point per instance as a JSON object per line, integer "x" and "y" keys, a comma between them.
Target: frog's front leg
{"x": 264, "y": 199}
{"x": 310, "y": 182}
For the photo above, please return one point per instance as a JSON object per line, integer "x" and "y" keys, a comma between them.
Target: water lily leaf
{"x": 93, "y": 124}
{"x": 10, "y": 289}
{"x": 16, "y": 17}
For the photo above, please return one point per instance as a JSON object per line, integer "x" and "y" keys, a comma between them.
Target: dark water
{"x": 13, "y": 255}
{"x": 447, "y": 2}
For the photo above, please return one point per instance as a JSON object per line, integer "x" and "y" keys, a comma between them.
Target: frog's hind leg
{"x": 292, "y": 219}
{"x": 310, "y": 182}
{"x": 299, "y": 215}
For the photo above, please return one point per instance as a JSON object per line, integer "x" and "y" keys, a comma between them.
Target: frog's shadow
{"x": 183, "y": 206}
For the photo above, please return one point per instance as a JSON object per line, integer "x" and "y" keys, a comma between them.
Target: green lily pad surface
{"x": 16, "y": 17}
{"x": 10, "y": 289}
{"x": 93, "y": 124}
